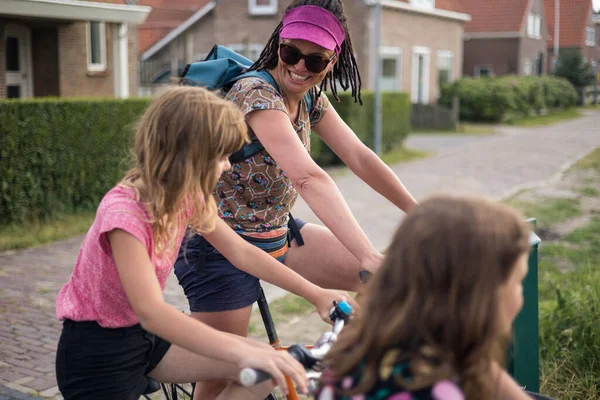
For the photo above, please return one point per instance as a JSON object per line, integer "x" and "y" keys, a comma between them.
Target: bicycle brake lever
{"x": 303, "y": 355}
{"x": 364, "y": 276}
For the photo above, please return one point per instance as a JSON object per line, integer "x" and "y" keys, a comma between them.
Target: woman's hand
{"x": 372, "y": 262}
{"x": 278, "y": 364}
{"x": 323, "y": 301}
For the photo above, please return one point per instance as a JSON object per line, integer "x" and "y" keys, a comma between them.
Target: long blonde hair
{"x": 178, "y": 142}
{"x": 434, "y": 302}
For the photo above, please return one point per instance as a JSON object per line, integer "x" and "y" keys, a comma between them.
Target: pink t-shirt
{"x": 95, "y": 292}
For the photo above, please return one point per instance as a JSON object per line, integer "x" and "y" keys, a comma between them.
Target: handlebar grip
{"x": 364, "y": 275}
{"x": 250, "y": 376}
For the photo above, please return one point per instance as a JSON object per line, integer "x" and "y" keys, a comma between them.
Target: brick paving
{"x": 493, "y": 166}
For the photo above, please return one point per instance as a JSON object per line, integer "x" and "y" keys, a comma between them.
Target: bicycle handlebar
{"x": 364, "y": 275}
{"x": 339, "y": 314}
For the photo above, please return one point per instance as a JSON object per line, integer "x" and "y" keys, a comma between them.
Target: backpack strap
{"x": 255, "y": 146}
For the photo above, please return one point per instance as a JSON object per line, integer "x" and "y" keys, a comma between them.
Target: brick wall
{"x": 2, "y": 66}
{"x": 75, "y": 79}
{"x": 44, "y": 53}
{"x": 501, "y": 54}
{"x": 406, "y": 30}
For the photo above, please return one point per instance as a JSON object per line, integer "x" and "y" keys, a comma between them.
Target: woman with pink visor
{"x": 309, "y": 51}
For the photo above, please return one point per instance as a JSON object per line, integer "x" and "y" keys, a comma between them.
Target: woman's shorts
{"x": 93, "y": 362}
{"x": 211, "y": 283}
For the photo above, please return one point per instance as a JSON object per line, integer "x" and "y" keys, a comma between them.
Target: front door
{"x": 17, "y": 50}
{"x": 420, "y": 75}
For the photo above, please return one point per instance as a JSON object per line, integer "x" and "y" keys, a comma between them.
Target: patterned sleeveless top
{"x": 256, "y": 195}
{"x": 386, "y": 387}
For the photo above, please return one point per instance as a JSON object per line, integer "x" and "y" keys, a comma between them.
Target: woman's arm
{"x": 274, "y": 130}
{"x": 145, "y": 296}
{"x": 363, "y": 161}
{"x": 257, "y": 263}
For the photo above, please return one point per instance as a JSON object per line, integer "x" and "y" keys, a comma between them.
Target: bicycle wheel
{"x": 537, "y": 396}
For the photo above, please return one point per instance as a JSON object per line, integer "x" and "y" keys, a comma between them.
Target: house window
{"x": 423, "y": 3}
{"x": 445, "y": 67}
{"x": 534, "y": 26}
{"x": 251, "y": 51}
{"x": 96, "y": 46}
{"x": 590, "y": 36}
{"x": 527, "y": 68}
{"x": 262, "y": 7}
{"x": 391, "y": 69}
{"x": 536, "y": 62}
{"x": 483, "y": 71}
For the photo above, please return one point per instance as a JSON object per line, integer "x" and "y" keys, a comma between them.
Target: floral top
{"x": 386, "y": 386}
{"x": 256, "y": 195}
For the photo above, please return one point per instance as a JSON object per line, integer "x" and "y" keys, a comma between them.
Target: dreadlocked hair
{"x": 345, "y": 70}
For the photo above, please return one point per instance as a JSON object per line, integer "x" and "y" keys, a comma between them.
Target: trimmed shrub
{"x": 396, "y": 115}
{"x": 60, "y": 156}
{"x": 501, "y": 98}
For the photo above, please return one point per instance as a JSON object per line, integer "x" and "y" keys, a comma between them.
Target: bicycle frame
{"x": 274, "y": 341}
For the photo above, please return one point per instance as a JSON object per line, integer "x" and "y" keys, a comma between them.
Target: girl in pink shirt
{"x": 117, "y": 328}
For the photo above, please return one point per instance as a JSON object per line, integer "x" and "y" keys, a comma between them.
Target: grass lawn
{"x": 402, "y": 154}
{"x": 466, "y": 128}
{"x": 544, "y": 120}
{"x": 569, "y": 287}
{"x": 14, "y": 236}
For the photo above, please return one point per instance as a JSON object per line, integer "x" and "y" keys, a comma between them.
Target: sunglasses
{"x": 314, "y": 63}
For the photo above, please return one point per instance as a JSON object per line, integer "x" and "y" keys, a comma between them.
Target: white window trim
{"x": 590, "y": 31}
{"x": 449, "y": 54}
{"x": 255, "y": 9}
{"x": 534, "y": 26}
{"x": 420, "y": 4}
{"x": 416, "y": 51}
{"x": 393, "y": 52}
{"x": 239, "y": 47}
{"x": 102, "y": 65}
{"x": 478, "y": 69}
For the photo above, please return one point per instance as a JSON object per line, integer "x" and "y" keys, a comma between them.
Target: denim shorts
{"x": 93, "y": 362}
{"x": 210, "y": 282}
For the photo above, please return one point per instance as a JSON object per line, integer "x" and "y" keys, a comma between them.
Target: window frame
{"x": 392, "y": 53}
{"x": 258, "y": 9}
{"x": 101, "y": 66}
{"x": 478, "y": 69}
{"x": 590, "y": 36}
{"x": 445, "y": 54}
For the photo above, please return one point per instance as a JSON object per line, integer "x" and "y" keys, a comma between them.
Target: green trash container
{"x": 524, "y": 354}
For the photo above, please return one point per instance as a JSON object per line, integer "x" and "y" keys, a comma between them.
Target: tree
{"x": 572, "y": 66}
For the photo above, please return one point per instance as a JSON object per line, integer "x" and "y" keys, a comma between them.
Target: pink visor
{"x": 314, "y": 24}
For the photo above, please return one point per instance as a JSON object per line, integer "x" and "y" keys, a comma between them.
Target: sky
{"x": 596, "y": 4}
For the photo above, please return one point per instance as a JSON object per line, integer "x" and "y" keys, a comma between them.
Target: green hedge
{"x": 502, "y": 98}
{"x": 59, "y": 156}
{"x": 396, "y": 116}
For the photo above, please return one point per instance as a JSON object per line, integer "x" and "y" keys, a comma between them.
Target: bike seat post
{"x": 265, "y": 313}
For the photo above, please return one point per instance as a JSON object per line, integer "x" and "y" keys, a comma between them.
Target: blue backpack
{"x": 219, "y": 71}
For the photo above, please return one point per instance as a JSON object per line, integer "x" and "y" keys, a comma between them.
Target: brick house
{"x": 576, "y": 28}
{"x": 505, "y": 37}
{"x": 68, "y": 48}
{"x": 421, "y": 40}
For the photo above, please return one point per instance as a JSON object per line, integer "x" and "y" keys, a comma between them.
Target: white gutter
{"x": 434, "y": 12}
{"x": 492, "y": 35}
{"x": 198, "y": 15}
{"x": 75, "y": 10}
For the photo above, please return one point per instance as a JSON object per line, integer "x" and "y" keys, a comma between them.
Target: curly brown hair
{"x": 345, "y": 70}
{"x": 435, "y": 299}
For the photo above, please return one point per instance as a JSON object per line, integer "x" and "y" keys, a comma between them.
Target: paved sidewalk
{"x": 493, "y": 166}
